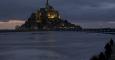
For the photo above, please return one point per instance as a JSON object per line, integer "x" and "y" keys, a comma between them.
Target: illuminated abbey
{"x": 48, "y": 12}
{"x": 47, "y": 18}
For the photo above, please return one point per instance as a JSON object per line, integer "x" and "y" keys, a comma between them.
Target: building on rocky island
{"x": 47, "y": 19}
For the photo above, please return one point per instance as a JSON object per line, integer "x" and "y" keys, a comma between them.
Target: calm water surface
{"x": 51, "y": 45}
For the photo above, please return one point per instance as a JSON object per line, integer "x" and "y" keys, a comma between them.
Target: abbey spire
{"x": 47, "y": 3}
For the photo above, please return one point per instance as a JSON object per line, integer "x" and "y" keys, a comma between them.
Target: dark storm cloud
{"x": 75, "y": 10}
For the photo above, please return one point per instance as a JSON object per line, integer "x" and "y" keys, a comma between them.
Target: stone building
{"x": 47, "y": 18}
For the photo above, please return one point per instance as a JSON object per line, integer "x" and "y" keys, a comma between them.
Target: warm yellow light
{"x": 50, "y": 15}
{"x": 38, "y": 21}
{"x": 59, "y": 17}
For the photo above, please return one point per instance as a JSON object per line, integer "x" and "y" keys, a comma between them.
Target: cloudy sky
{"x": 88, "y": 13}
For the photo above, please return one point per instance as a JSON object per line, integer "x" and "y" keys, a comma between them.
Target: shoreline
{"x": 83, "y": 30}
{"x": 103, "y": 31}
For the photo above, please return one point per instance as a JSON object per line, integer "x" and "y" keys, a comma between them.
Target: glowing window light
{"x": 51, "y": 15}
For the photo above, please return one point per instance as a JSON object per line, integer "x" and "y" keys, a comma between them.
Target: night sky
{"x": 77, "y": 11}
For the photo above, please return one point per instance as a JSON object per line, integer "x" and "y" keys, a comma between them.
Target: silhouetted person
{"x": 111, "y": 42}
{"x": 94, "y": 58}
{"x": 108, "y": 50}
{"x": 102, "y": 56}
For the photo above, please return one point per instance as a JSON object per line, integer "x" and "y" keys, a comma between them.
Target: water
{"x": 51, "y": 45}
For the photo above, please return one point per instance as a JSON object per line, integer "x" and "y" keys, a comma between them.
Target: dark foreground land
{"x": 108, "y": 53}
{"x": 113, "y": 54}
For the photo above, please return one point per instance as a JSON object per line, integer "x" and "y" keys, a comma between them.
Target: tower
{"x": 47, "y": 4}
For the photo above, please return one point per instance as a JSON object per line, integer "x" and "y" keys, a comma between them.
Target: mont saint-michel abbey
{"x": 47, "y": 19}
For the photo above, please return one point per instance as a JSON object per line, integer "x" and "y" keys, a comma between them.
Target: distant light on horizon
{"x": 11, "y": 24}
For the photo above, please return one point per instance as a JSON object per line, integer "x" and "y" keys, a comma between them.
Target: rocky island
{"x": 47, "y": 19}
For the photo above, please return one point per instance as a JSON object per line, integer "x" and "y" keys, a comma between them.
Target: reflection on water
{"x": 51, "y": 45}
